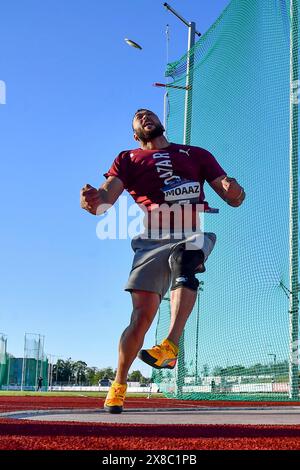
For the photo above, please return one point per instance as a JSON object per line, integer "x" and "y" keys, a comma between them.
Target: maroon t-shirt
{"x": 175, "y": 174}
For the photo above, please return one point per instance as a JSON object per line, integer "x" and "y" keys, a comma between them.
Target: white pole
{"x": 166, "y": 112}
{"x": 51, "y": 376}
{"x": 42, "y": 356}
{"x": 189, "y": 86}
{"x": 294, "y": 231}
{"x": 186, "y": 141}
{"x": 23, "y": 363}
{"x": 8, "y": 373}
{"x": 49, "y": 370}
{"x": 37, "y": 362}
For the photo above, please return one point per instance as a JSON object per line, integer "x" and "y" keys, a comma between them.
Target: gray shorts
{"x": 150, "y": 268}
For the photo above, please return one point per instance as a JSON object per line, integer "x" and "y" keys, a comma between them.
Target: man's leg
{"x": 164, "y": 355}
{"x": 182, "y": 303}
{"x": 184, "y": 287}
{"x": 185, "y": 260}
{"x": 184, "y": 263}
{"x": 145, "y": 306}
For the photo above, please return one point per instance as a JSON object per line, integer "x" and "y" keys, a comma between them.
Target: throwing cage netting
{"x": 34, "y": 363}
{"x": 3, "y": 359}
{"x": 241, "y": 340}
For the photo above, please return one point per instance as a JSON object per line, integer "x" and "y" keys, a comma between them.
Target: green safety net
{"x": 34, "y": 363}
{"x": 236, "y": 344}
{"x": 23, "y": 372}
{"x": 3, "y": 359}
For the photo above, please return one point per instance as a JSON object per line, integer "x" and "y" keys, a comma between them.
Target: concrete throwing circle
{"x": 289, "y": 415}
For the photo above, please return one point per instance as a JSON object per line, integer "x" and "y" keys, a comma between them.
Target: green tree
{"x": 91, "y": 375}
{"x": 79, "y": 371}
{"x": 106, "y": 373}
{"x": 135, "y": 376}
{"x": 63, "y": 371}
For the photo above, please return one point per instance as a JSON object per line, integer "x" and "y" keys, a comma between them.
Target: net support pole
{"x": 49, "y": 372}
{"x": 51, "y": 375}
{"x": 37, "y": 362}
{"x": 23, "y": 365}
{"x": 8, "y": 374}
{"x": 186, "y": 141}
{"x": 166, "y": 112}
{"x": 197, "y": 338}
{"x": 189, "y": 85}
{"x": 294, "y": 141}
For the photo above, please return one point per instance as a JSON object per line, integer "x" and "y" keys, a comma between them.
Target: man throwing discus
{"x": 167, "y": 181}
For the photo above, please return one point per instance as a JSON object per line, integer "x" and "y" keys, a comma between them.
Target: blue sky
{"x": 72, "y": 87}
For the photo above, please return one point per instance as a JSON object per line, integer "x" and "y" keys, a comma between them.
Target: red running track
{"x": 28, "y": 435}
{"x": 8, "y": 403}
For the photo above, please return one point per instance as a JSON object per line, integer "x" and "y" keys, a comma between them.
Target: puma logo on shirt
{"x": 185, "y": 151}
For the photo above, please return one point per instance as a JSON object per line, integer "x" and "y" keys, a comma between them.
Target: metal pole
{"x": 186, "y": 141}
{"x": 51, "y": 376}
{"x": 8, "y": 374}
{"x": 189, "y": 85}
{"x": 168, "y": 7}
{"x": 166, "y": 94}
{"x": 49, "y": 370}
{"x": 200, "y": 289}
{"x": 37, "y": 363}
{"x": 42, "y": 358}
{"x": 166, "y": 112}
{"x": 23, "y": 363}
{"x": 294, "y": 140}
{"x": 197, "y": 338}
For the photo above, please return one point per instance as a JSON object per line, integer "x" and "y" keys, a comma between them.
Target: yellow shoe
{"x": 162, "y": 356}
{"x": 115, "y": 398}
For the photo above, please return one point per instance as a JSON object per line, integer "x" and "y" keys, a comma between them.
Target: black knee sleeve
{"x": 183, "y": 264}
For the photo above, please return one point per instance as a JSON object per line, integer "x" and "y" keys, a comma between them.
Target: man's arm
{"x": 229, "y": 190}
{"x": 97, "y": 201}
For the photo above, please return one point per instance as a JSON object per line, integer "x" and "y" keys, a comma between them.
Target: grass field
{"x": 71, "y": 394}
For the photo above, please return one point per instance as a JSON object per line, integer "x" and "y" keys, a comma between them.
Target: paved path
{"x": 197, "y": 415}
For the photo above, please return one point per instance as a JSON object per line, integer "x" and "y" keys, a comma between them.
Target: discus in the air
{"x": 132, "y": 43}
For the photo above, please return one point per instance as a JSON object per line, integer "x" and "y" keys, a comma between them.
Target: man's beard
{"x": 147, "y": 136}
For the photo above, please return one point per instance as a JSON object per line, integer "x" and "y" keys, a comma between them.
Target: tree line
{"x": 278, "y": 370}
{"x": 79, "y": 373}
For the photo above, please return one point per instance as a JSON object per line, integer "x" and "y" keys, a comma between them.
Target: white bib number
{"x": 182, "y": 192}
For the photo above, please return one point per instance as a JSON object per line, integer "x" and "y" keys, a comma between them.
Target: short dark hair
{"x": 141, "y": 109}
{"x": 138, "y": 111}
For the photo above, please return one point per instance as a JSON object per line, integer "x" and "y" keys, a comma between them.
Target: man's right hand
{"x": 90, "y": 199}
{"x": 97, "y": 201}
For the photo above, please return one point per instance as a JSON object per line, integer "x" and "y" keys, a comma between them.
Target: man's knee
{"x": 183, "y": 264}
{"x": 141, "y": 318}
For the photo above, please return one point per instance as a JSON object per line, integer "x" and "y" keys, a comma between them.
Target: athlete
{"x": 166, "y": 180}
